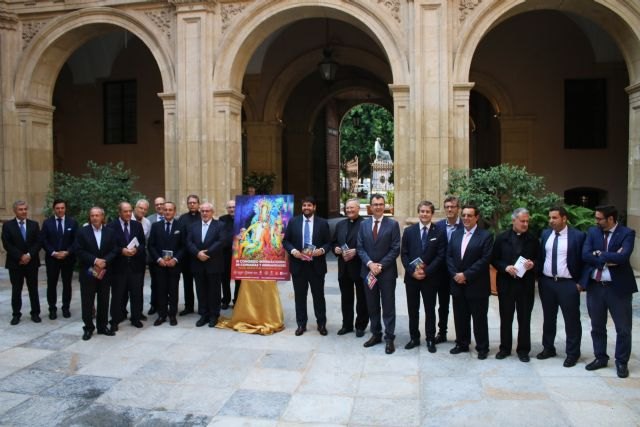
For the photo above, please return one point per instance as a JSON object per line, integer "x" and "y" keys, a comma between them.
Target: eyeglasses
{"x": 451, "y": 206}
{"x": 377, "y": 204}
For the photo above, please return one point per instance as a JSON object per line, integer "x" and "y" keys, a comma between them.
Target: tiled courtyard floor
{"x": 191, "y": 376}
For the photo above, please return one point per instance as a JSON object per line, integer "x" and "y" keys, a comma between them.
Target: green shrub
{"x": 262, "y": 182}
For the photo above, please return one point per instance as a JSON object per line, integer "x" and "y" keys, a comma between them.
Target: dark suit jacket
{"x": 16, "y": 246}
{"x": 137, "y": 262}
{"x": 474, "y": 265}
{"x": 574, "y": 254}
{"x": 384, "y": 250}
{"x": 213, "y": 244}
{"x": 442, "y": 225}
{"x": 86, "y": 247}
{"x": 159, "y": 241}
{"x": 433, "y": 256}
{"x": 341, "y": 235}
{"x": 505, "y": 253}
{"x": 321, "y": 238}
{"x": 227, "y": 222}
{"x": 49, "y": 237}
{"x": 619, "y": 249}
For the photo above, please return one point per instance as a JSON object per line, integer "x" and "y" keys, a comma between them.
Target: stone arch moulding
{"x": 494, "y": 92}
{"x": 42, "y": 60}
{"x": 245, "y": 36}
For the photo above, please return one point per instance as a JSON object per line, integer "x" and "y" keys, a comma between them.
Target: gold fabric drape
{"x": 258, "y": 309}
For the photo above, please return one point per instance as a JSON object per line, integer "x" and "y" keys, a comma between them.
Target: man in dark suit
{"x": 468, "y": 256}
{"x": 57, "y": 236}
{"x": 307, "y": 239}
{"x": 561, "y": 278}
{"x": 345, "y": 241}
{"x": 447, "y": 225}
{"x": 21, "y": 240}
{"x": 227, "y": 220}
{"x": 378, "y": 247}
{"x": 611, "y": 285}
{"x": 422, "y": 255}
{"x": 205, "y": 240}
{"x": 166, "y": 246}
{"x": 514, "y": 255}
{"x": 128, "y": 267}
{"x": 158, "y": 204}
{"x": 95, "y": 248}
{"x": 186, "y": 220}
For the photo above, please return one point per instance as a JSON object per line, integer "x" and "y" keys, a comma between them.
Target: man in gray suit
{"x": 378, "y": 248}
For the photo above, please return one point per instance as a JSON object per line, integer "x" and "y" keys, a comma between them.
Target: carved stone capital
{"x": 8, "y": 20}
{"x": 209, "y": 5}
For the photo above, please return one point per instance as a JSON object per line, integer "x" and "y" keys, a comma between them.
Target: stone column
{"x": 403, "y": 151}
{"x": 459, "y": 150}
{"x": 171, "y": 150}
{"x": 225, "y": 171}
{"x": 264, "y": 149}
{"x": 633, "y": 188}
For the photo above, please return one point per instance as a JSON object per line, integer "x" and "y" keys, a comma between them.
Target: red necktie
{"x": 375, "y": 230}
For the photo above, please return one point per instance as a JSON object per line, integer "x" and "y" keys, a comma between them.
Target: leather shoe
{"x": 570, "y": 362}
{"x": 323, "y": 330}
{"x": 482, "y": 355}
{"x": 159, "y": 321}
{"x": 524, "y": 357}
{"x": 143, "y": 317}
{"x": 343, "y": 331}
{"x": 114, "y": 327}
{"x": 202, "y": 321}
{"x": 15, "y": 320}
{"x": 389, "y": 348}
{"x": 459, "y": 349}
{"x": 440, "y": 338}
{"x": 106, "y": 331}
{"x": 186, "y": 311}
{"x": 213, "y": 322}
{"x": 301, "y": 330}
{"x": 36, "y": 318}
{"x": 137, "y": 323}
{"x": 622, "y": 370}
{"x": 502, "y": 354}
{"x": 87, "y": 335}
{"x": 431, "y": 346}
{"x": 359, "y": 333}
{"x": 596, "y": 364}
{"x": 224, "y": 306}
{"x": 173, "y": 321}
{"x": 152, "y": 310}
{"x": 412, "y": 344}
{"x": 66, "y": 313}
{"x": 375, "y": 339}
{"x": 545, "y": 354}
{"x": 53, "y": 315}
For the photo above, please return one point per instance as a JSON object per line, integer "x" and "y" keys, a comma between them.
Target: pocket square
{"x": 176, "y": 232}
{"x": 432, "y": 239}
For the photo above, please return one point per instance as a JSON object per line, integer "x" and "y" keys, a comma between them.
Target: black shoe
{"x": 524, "y": 357}
{"x": 502, "y": 354}
{"x": 596, "y": 364}
{"x": 106, "y": 331}
{"x": 570, "y": 362}
{"x": 359, "y": 333}
{"x": 375, "y": 339}
{"x": 53, "y": 315}
{"x": 482, "y": 355}
{"x": 152, "y": 311}
{"x": 143, "y": 317}
{"x": 87, "y": 335}
{"x": 431, "y": 346}
{"x": 114, "y": 327}
{"x": 440, "y": 338}
{"x": 15, "y": 320}
{"x": 173, "y": 321}
{"x": 459, "y": 349}
{"x": 66, "y": 313}
{"x": 343, "y": 331}
{"x": 186, "y": 311}
{"x": 137, "y": 323}
{"x": 36, "y": 318}
{"x": 301, "y": 330}
{"x": 224, "y": 306}
{"x": 202, "y": 321}
{"x": 213, "y": 322}
{"x": 545, "y": 354}
{"x": 412, "y": 344}
{"x": 323, "y": 330}
{"x": 159, "y": 321}
{"x": 622, "y": 370}
{"x": 389, "y": 348}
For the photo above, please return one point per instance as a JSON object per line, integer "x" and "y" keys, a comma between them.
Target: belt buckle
{"x": 555, "y": 278}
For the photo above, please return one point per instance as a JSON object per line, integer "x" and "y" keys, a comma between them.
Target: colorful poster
{"x": 258, "y": 231}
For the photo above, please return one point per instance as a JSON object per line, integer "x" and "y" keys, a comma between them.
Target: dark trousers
{"x": 236, "y": 291}
{"x": 127, "y": 286}
{"x": 600, "y": 299}
{"x": 565, "y": 295}
{"x": 465, "y": 309}
{"x": 17, "y": 277}
{"x": 168, "y": 288}
{"x": 444, "y": 296}
{"x": 55, "y": 269}
{"x": 89, "y": 289}
{"x": 429, "y": 293}
{"x": 352, "y": 289}
{"x": 384, "y": 291}
{"x": 208, "y": 291}
{"x": 518, "y": 298}
{"x": 187, "y": 285}
{"x": 302, "y": 281}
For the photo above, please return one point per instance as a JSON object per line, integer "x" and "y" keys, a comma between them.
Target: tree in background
{"x": 103, "y": 185}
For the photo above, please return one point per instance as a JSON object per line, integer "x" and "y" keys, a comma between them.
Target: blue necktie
{"x": 168, "y": 229}
{"x": 554, "y": 256}
{"x": 23, "y": 231}
{"x": 307, "y": 233}
{"x": 424, "y": 238}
